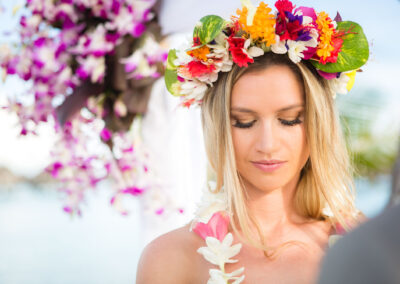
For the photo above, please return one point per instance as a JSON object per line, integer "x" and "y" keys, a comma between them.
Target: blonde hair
{"x": 326, "y": 179}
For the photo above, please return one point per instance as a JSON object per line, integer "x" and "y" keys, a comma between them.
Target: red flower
{"x": 197, "y": 69}
{"x": 239, "y": 55}
{"x": 284, "y": 6}
{"x": 196, "y": 41}
{"x": 286, "y": 28}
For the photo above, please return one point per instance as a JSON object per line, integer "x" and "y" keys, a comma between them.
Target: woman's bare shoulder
{"x": 170, "y": 258}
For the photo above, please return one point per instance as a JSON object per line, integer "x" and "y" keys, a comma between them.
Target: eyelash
{"x": 283, "y": 122}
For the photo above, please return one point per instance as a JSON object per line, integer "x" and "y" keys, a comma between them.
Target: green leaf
{"x": 355, "y": 50}
{"x": 172, "y": 82}
{"x": 208, "y": 28}
{"x": 171, "y": 58}
{"x": 171, "y": 75}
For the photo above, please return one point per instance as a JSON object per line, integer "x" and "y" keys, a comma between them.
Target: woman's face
{"x": 267, "y": 114}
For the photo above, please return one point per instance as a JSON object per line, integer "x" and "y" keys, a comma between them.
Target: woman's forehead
{"x": 273, "y": 89}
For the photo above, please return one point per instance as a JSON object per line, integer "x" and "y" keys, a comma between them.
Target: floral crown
{"x": 336, "y": 48}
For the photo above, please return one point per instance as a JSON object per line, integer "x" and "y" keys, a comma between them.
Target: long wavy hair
{"x": 326, "y": 181}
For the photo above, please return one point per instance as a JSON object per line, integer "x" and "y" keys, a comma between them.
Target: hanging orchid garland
{"x": 90, "y": 65}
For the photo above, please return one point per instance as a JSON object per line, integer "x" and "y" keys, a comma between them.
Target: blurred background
{"x": 42, "y": 243}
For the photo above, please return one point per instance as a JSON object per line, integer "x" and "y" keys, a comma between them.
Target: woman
{"x": 266, "y": 84}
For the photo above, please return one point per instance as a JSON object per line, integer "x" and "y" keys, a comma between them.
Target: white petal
{"x": 239, "y": 280}
{"x": 237, "y": 272}
{"x": 234, "y": 250}
{"x": 212, "y": 242}
{"x": 227, "y": 241}
{"x": 247, "y": 43}
{"x": 255, "y": 51}
{"x": 307, "y": 20}
{"x": 209, "y": 255}
{"x": 251, "y": 11}
{"x": 279, "y": 47}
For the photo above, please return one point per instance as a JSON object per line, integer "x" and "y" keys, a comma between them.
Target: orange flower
{"x": 200, "y": 53}
{"x": 329, "y": 41}
{"x": 263, "y": 24}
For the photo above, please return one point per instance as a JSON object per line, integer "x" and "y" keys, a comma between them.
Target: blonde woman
{"x": 266, "y": 84}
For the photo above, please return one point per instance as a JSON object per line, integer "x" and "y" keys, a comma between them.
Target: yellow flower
{"x": 263, "y": 26}
{"x": 200, "y": 53}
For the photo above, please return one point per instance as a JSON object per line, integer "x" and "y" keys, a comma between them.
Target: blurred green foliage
{"x": 371, "y": 137}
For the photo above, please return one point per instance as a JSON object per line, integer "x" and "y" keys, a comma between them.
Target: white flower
{"x": 193, "y": 90}
{"x": 279, "y": 46}
{"x": 220, "y": 51}
{"x": 306, "y": 20}
{"x": 210, "y": 204}
{"x": 220, "y": 277}
{"x": 182, "y": 58}
{"x": 68, "y": 9}
{"x": 93, "y": 67}
{"x": 97, "y": 43}
{"x": 296, "y": 49}
{"x": 219, "y": 253}
{"x": 208, "y": 78}
{"x": 339, "y": 85}
{"x": 313, "y": 42}
{"x": 255, "y": 51}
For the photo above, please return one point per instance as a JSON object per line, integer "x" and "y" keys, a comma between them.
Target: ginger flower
{"x": 263, "y": 26}
{"x": 329, "y": 39}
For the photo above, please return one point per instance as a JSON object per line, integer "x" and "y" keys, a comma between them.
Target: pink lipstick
{"x": 268, "y": 165}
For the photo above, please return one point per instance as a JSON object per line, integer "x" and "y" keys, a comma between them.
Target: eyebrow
{"x": 245, "y": 110}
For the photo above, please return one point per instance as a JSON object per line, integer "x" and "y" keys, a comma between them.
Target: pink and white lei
{"x": 211, "y": 223}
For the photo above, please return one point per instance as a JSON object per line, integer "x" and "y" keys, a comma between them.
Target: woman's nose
{"x": 268, "y": 138}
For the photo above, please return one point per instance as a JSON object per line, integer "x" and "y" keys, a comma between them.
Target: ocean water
{"x": 40, "y": 244}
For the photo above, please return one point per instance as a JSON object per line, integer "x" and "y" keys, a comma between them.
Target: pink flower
{"x": 328, "y": 76}
{"x": 216, "y": 227}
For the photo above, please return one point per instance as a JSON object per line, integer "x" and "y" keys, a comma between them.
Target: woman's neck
{"x": 273, "y": 209}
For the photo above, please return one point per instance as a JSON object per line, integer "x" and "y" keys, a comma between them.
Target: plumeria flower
{"x": 218, "y": 252}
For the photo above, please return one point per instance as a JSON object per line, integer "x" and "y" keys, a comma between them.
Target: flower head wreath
{"x": 336, "y": 48}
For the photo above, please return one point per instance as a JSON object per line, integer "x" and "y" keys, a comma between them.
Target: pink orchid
{"x": 216, "y": 227}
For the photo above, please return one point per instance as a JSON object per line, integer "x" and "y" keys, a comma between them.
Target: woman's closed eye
{"x": 243, "y": 124}
{"x": 248, "y": 124}
{"x": 290, "y": 122}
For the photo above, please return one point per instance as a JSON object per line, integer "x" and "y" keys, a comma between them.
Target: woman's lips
{"x": 268, "y": 166}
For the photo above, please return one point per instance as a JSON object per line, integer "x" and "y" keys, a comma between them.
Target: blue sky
{"x": 379, "y": 19}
